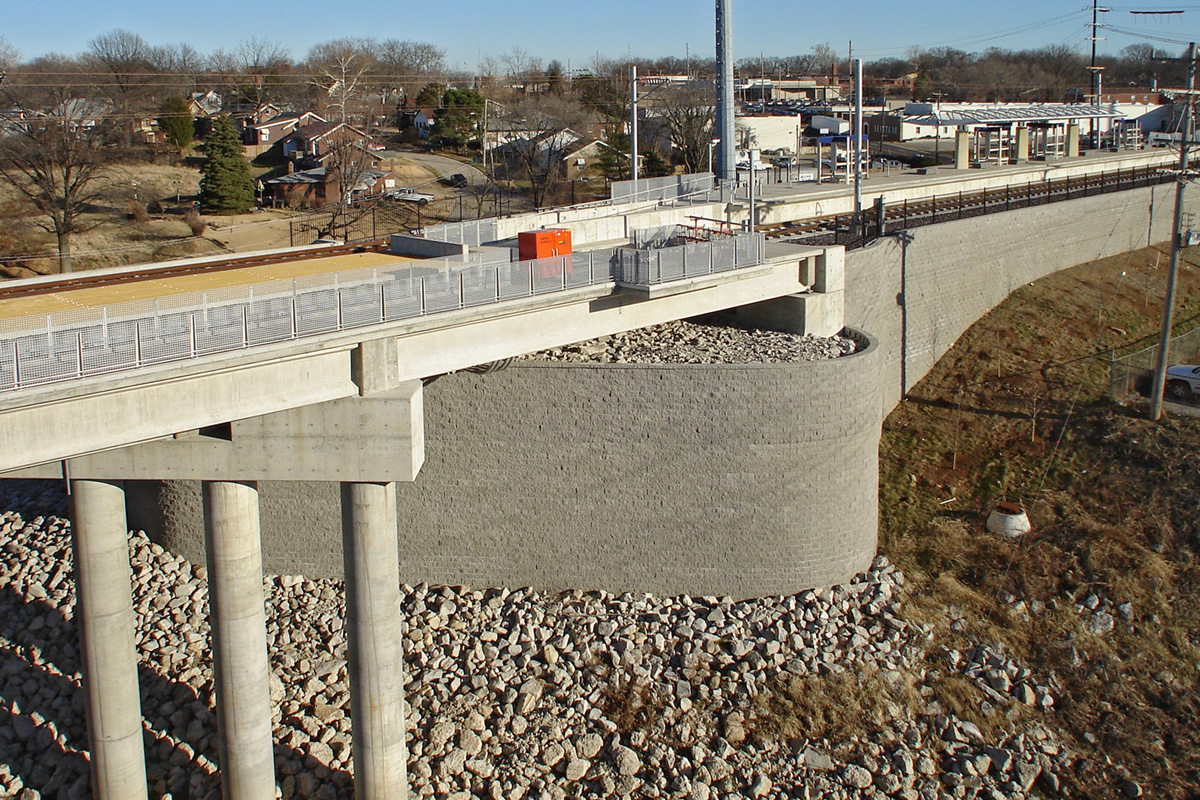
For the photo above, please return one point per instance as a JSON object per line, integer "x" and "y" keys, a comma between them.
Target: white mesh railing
{"x": 647, "y": 267}
{"x": 92, "y": 341}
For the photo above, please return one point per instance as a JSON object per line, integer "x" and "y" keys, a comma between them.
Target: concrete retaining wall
{"x": 737, "y": 480}
{"x": 730, "y": 479}
{"x": 919, "y": 298}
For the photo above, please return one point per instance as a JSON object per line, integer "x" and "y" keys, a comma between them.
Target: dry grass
{"x": 837, "y": 708}
{"x": 1113, "y": 501}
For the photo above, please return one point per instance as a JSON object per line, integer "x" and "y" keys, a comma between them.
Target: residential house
{"x": 311, "y": 143}
{"x": 278, "y": 128}
{"x": 423, "y": 121}
{"x": 320, "y": 186}
{"x": 205, "y": 104}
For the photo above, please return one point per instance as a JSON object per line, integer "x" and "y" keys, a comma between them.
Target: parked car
{"x": 458, "y": 180}
{"x": 1183, "y": 382}
{"x": 408, "y": 195}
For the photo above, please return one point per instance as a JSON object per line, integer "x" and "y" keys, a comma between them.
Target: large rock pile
{"x": 694, "y": 342}
{"x": 516, "y": 694}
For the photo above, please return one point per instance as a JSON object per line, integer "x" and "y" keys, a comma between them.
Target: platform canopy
{"x": 1004, "y": 115}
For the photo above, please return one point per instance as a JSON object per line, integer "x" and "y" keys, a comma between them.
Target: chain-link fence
{"x": 1134, "y": 373}
{"x": 90, "y": 341}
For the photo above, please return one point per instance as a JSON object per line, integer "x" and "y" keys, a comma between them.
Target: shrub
{"x": 195, "y": 222}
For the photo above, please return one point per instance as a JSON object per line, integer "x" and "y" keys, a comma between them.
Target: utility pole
{"x": 1164, "y": 339}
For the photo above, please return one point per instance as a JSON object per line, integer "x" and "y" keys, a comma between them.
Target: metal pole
{"x": 726, "y": 172}
{"x": 633, "y": 130}
{"x": 1164, "y": 339}
{"x": 858, "y": 132}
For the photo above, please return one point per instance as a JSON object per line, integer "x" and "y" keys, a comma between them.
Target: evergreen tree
{"x": 175, "y": 121}
{"x": 226, "y": 187}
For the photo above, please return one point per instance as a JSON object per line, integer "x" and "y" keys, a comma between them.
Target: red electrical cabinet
{"x": 544, "y": 244}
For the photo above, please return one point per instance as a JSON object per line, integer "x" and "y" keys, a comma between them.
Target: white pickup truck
{"x": 409, "y": 195}
{"x": 1183, "y": 382}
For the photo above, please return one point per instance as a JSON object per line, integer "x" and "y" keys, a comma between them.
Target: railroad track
{"x": 959, "y": 205}
{"x": 78, "y": 280}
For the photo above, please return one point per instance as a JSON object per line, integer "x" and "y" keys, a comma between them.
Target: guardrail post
{"x": 462, "y": 291}
{"x": 423, "y": 310}
{"x": 339, "y": 308}
{"x": 382, "y": 304}
{"x": 245, "y": 326}
{"x": 137, "y": 344}
{"x": 496, "y": 273}
{"x": 79, "y": 354}
{"x": 16, "y": 366}
{"x": 562, "y": 271}
{"x": 192, "y": 332}
{"x": 685, "y": 252}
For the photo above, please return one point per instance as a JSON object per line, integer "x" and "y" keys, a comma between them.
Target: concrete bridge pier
{"x": 239, "y": 640}
{"x": 371, "y": 552}
{"x": 106, "y": 626}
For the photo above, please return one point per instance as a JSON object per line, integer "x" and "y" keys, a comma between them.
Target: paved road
{"x": 444, "y": 167}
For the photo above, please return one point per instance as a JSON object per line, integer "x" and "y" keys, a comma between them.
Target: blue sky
{"x": 574, "y": 32}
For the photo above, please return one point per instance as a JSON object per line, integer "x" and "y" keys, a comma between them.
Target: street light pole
{"x": 1164, "y": 339}
{"x": 711, "y": 145}
{"x": 633, "y": 129}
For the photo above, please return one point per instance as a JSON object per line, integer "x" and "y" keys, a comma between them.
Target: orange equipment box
{"x": 543, "y": 244}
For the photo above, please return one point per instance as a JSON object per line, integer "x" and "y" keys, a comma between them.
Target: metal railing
{"x": 79, "y": 343}
{"x": 648, "y": 267}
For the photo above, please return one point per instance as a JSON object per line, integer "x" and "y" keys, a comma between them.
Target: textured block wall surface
{"x": 918, "y": 298}
{"x": 740, "y": 480}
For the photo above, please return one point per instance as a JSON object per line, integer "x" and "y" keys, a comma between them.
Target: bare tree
{"x": 548, "y": 126}
{"x": 340, "y": 70}
{"x": 255, "y": 67}
{"x": 58, "y": 160}
{"x": 9, "y": 57}
{"x": 688, "y": 113}
{"x": 407, "y": 65}
{"x": 126, "y": 57}
{"x": 181, "y": 60}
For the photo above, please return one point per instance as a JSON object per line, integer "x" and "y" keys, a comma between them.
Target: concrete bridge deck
{"x": 346, "y": 406}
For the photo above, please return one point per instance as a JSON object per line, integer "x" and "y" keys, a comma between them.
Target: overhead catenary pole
{"x": 1164, "y": 340}
{"x": 857, "y": 150}
{"x": 726, "y": 172}
{"x": 1096, "y": 9}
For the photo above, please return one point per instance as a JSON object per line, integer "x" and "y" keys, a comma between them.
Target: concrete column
{"x": 1073, "y": 140}
{"x": 104, "y": 615}
{"x": 1022, "y": 144}
{"x": 371, "y": 550}
{"x": 239, "y": 641}
{"x": 962, "y": 150}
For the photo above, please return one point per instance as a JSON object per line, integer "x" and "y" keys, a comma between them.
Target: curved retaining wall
{"x": 729, "y": 479}
{"x": 918, "y": 298}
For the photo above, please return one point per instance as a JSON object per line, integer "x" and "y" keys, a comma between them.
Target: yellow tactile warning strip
{"x": 195, "y": 282}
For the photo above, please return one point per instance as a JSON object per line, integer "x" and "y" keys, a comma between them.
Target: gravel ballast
{"x": 518, "y": 694}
